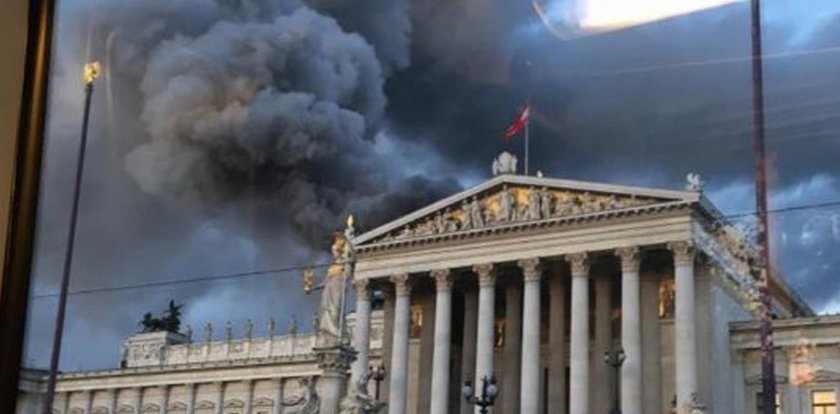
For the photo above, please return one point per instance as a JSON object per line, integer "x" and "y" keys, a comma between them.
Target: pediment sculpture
{"x": 510, "y": 204}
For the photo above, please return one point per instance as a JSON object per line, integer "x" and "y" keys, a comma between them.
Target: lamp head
{"x": 467, "y": 390}
{"x": 492, "y": 389}
{"x": 91, "y": 72}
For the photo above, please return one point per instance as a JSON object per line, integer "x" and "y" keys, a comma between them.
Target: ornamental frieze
{"x": 513, "y": 204}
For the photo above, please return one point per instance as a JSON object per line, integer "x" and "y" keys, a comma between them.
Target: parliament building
{"x": 529, "y": 280}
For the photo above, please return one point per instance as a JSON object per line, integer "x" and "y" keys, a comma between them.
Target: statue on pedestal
{"x": 329, "y": 312}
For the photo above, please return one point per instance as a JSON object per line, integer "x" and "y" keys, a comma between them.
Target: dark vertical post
{"x": 768, "y": 375}
{"x": 68, "y": 255}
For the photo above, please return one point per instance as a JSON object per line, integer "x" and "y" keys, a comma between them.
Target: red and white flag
{"x": 519, "y": 122}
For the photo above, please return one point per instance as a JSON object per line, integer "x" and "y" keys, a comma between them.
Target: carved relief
{"x": 510, "y": 204}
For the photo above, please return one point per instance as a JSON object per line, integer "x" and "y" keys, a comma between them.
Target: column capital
{"x": 401, "y": 285}
{"x": 630, "y": 258}
{"x": 683, "y": 252}
{"x": 579, "y": 263}
{"x": 362, "y": 287}
{"x": 443, "y": 279}
{"x": 531, "y": 271}
{"x": 486, "y": 274}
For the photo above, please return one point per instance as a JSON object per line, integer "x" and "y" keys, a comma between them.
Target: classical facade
{"x": 169, "y": 373}
{"x": 529, "y": 280}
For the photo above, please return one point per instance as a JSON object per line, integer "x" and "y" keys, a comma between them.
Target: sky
{"x": 231, "y": 136}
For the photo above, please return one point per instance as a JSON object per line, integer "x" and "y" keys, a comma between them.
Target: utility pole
{"x": 768, "y": 374}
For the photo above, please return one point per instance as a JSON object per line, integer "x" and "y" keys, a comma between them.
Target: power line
{"x": 214, "y": 278}
{"x": 200, "y": 279}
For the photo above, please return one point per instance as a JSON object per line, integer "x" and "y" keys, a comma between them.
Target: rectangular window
{"x": 823, "y": 402}
{"x": 759, "y": 403}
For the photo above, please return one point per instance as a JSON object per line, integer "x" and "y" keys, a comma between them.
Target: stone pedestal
{"x": 334, "y": 363}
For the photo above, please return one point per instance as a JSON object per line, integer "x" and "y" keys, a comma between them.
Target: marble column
{"x": 220, "y": 398}
{"x": 249, "y": 396}
{"x": 278, "y": 396}
{"x": 631, "y": 331}
{"x": 486, "y": 320}
{"x": 579, "y": 352}
{"x": 468, "y": 342}
{"x": 511, "y": 369}
{"x": 88, "y": 402}
{"x": 530, "y": 389}
{"x": 66, "y": 408}
{"x": 556, "y": 341}
{"x": 112, "y": 401}
{"x": 138, "y": 400}
{"x": 398, "y": 388}
{"x": 164, "y": 390}
{"x": 685, "y": 352}
{"x": 443, "y": 341}
{"x": 191, "y": 390}
{"x": 362, "y": 333}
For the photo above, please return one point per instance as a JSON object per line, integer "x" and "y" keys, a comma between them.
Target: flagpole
{"x": 527, "y": 134}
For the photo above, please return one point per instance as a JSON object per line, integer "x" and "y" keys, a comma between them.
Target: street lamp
{"x": 377, "y": 373}
{"x": 614, "y": 359}
{"x": 489, "y": 391}
{"x": 91, "y": 72}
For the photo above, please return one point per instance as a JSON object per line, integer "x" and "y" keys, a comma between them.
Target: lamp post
{"x": 614, "y": 359}
{"x": 91, "y": 72}
{"x": 489, "y": 391}
{"x": 377, "y": 373}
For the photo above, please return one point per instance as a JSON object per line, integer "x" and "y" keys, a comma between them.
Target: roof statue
{"x": 170, "y": 321}
{"x": 694, "y": 182}
{"x": 505, "y": 163}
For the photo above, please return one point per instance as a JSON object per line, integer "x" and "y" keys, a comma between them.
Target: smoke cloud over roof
{"x": 233, "y": 135}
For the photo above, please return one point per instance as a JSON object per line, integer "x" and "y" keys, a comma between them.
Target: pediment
{"x": 125, "y": 409}
{"x": 264, "y": 402}
{"x": 205, "y": 405}
{"x": 234, "y": 404}
{"x": 512, "y": 200}
{"x": 100, "y": 410}
{"x": 824, "y": 375}
{"x": 177, "y": 406}
{"x": 150, "y": 408}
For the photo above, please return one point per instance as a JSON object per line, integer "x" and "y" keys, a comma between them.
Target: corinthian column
{"x": 443, "y": 338}
{"x": 631, "y": 331}
{"x": 530, "y": 386}
{"x": 486, "y": 318}
{"x": 685, "y": 353}
{"x": 399, "y": 355}
{"x": 362, "y": 333}
{"x": 579, "y": 351}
